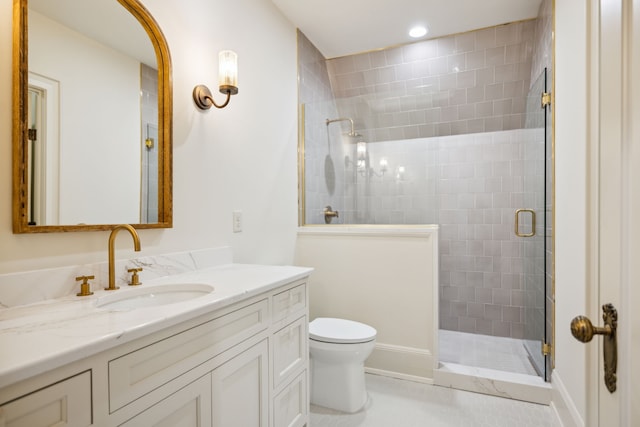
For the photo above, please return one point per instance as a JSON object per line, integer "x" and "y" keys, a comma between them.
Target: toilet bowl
{"x": 338, "y": 349}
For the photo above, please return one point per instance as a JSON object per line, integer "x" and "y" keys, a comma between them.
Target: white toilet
{"x": 338, "y": 349}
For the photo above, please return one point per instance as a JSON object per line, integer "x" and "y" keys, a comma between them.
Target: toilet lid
{"x": 327, "y": 329}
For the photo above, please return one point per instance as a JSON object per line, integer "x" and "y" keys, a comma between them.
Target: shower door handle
{"x": 533, "y": 223}
{"x": 583, "y": 330}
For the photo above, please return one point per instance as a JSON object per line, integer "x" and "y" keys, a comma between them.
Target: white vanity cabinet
{"x": 290, "y": 357}
{"x": 64, "y": 403}
{"x": 234, "y": 393}
{"x": 240, "y": 389}
{"x": 188, "y": 407}
{"x": 242, "y": 365}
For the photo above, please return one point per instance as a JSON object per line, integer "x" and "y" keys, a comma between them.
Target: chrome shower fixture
{"x": 353, "y": 133}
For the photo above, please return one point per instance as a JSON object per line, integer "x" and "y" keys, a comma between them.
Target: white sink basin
{"x": 152, "y": 296}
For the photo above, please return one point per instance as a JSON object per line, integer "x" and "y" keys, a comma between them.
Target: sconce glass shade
{"x": 228, "y": 72}
{"x": 384, "y": 164}
{"x": 361, "y": 149}
{"x": 227, "y": 80}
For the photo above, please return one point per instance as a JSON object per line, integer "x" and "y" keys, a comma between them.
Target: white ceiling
{"x": 104, "y": 21}
{"x": 344, "y": 27}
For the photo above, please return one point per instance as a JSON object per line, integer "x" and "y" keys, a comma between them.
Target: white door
{"x": 614, "y": 205}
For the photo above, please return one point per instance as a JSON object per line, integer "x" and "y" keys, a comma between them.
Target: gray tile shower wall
{"x": 470, "y": 185}
{"x": 324, "y": 165}
{"x": 465, "y": 83}
{"x": 481, "y": 260}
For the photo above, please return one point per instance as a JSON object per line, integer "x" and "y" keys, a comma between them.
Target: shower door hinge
{"x": 545, "y": 99}
{"x": 32, "y": 134}
{"x": 546, "y": 349}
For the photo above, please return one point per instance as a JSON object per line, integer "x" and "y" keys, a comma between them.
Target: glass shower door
{"x": 531, "y": 225}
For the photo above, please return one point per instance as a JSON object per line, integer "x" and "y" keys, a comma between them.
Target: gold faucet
{"x": 112, "y": 238}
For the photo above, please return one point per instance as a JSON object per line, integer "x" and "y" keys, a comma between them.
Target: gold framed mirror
{"x": 92, "y": 117}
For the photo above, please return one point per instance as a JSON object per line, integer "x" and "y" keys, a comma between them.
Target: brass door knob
{"x": 583, "y": 330}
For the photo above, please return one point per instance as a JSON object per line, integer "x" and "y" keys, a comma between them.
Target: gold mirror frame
{"x": 20, "y": 123}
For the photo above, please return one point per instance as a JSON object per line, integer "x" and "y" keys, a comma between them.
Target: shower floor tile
{"x": 394, "y": 402}
{"x": 484, "y": 351}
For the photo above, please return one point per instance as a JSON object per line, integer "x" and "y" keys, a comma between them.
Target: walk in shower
{"x": 456, "y": 132}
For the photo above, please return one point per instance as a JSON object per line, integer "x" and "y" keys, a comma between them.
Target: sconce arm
{"x": 204, "y": 99}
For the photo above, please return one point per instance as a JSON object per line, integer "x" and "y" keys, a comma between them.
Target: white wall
{"x": 569, "y": 376}
{"x": 384, "y": 276}
{"x": 242, "y": 157}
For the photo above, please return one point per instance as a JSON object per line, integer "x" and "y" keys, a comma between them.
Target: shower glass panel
{"x": 367, "y": 182}
{"x": 534, "y": 221}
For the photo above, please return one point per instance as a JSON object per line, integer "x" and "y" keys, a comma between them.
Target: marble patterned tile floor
{"x": 484, "y": 351}
{"x": 400, "y": 403}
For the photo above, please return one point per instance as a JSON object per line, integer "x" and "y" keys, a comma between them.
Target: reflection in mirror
{"x": 92, "y": 124}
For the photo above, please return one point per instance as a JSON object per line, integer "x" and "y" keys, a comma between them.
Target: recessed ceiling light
{"x": 418, "y": 31}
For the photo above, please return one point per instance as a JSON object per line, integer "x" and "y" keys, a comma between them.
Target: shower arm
{"x": 342, "y": 119}
{"x": 367, "y": 169}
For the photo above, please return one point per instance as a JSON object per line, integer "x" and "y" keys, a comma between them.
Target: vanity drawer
{"x": 66, "y": 403}
{"x": 139, "y": 372}
{"x": 290, "y": 301}
{"x": 189, "y": 406}
{"x": 290, "y": 406}
{"x": 289, "y": 350}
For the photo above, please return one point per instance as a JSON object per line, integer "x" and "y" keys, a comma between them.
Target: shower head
{"x": 351, "y": 133}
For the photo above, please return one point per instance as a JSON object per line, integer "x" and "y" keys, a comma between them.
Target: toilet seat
{"x": 340, "y": 331}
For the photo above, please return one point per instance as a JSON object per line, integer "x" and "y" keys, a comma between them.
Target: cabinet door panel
{"x": 289, "y": 350}
{"x": 240, "y": 389}
{"x": 290, "y": 301}
{"x": 290, "y": 406}
{"x": 188, "y": 407}
{"x": 64, "y": 404}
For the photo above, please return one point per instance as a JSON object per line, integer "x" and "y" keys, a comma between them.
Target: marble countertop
{"x": 42, "y": 336}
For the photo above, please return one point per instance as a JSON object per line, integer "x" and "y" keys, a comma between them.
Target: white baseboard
{"x": 564, "y": 410}
{"x": 399, "y": 376}
{"x": 401, "y": 362}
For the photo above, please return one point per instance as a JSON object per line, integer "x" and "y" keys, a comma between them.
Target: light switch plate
{"x": 237, "y": 221}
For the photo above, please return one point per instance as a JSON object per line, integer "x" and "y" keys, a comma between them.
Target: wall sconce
{"x": 227, "y": 81}
{"x": 363, "y": 165}
{"x": 384, "y": 165}
{"x": 361, "y": 156}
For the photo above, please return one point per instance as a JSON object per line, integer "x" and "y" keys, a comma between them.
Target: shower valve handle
{"x": 329, "y": 214}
